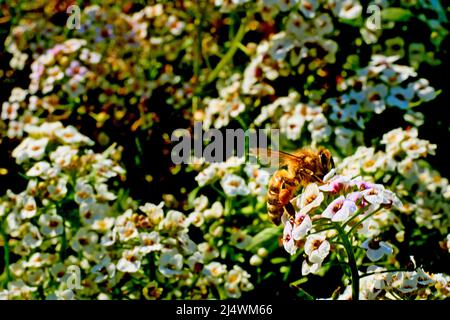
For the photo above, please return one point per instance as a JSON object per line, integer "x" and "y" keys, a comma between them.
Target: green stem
{"x": 5, "y": 254}
{"x": 384, "y": 271}
{"x": 198, "y": 44}
{"x": 62, "y": 253}
{"x": 351, "y": 261}
{"x": 362, "y": 220}
{"x": 231, "y": 51}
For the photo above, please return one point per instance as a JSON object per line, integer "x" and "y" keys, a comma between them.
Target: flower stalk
{"x": 6, "y": 271}
{"x": 351, "y": 261}
{"x": 231, "y": 51}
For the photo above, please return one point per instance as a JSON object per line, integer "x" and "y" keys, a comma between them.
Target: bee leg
{"x": 285, "y": 195}
{"x": 290, "y": 209}
{"x": 312, "y": 175}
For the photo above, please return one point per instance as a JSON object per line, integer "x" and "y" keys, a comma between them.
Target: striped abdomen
{"x": 281, "y": 189}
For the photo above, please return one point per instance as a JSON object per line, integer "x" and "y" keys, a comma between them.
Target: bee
{"x": 304, "y": 166}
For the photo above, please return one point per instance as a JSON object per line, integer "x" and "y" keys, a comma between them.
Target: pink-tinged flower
{"x": 363, "y": 185}
{"x": 288, "y": 239}
{"x": 340, "y": 209}
{"x": 335, "y": 184}
{"x": 75, "y": 68}
{"x": 358, "y": 198}
{"x": 302, "y": 224}
{"x": 376, "y": 249}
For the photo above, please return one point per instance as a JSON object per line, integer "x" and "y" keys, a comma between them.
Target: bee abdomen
{"x": 274, "y": 207}
{"x": 275, "y": 213}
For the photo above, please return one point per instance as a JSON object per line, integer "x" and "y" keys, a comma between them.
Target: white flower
{"x": 195, "y": 218}
{"x": 104, "y": 270}
{"x": 174, "y": 220}
{"x": 348, "y": 9}
{"x": 280, "y": 46}
{"x": 201, "y": 203}
{"x": 9, "y": 110}
{"x": 175, "y": 26}
{"x": 29, "y": 208}
{"x": 109, "y": 238}
{"x": 376, "y": 249}
{"x": 448, "y": 242}
{"x": 234, "y": 185}
{"x": 30, "y": 148}
{"x": 292, "y": 126}
{"x": 206, "y": 175}
{"x": 375, "y": 98}
{"x": 317, "y": 248}
{"x": 84, "y": 193}
{"x": 208, "y": 251}
{"x": 215, "y": 212}
{"x": 150, "y": 242}
{"x": 32, "y": 238}
{"x": 70, "y": 135}
{"x": 285, "y": 5}
{"x": 130, "y": 261}
{"x": 90, "y": 56}
{"x": 127, "y": 232}
{"x": 260, "y": 175}
{"x": 340, "y": 209}
{"x": 103, "y": 224}
{"x": 15, "y": 129}
{"x": 38, "y": 169}
{"x": 37, "y": 260}
{"x": 302, "y": 224}
{"x": 308, "y": 268}
{"x": 63, "y": 155}
{"x": 295, "y": 25}
{"x": 103, "y": 193}
{"x": 154, "y": 212}
{"x": 51, "y": 224}
{"x": 19, "y": 290}
{"x": 319, "y": 128}
{"x": 405, "y": 282}
{"x": 309, "y": 7}
{"x": 240, "y": 239}
{"x": 91, "y": 212}
{"x": 423, "y": 90}
{"x": 84, "y": 240}
{"x": 170, "y": 263}
{"x": 232, "y": 290}
{"x": 310, "y": 198}
{"x": 214, "y": 271}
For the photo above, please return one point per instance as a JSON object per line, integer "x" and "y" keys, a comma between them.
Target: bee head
{"x": 326, "y": 160}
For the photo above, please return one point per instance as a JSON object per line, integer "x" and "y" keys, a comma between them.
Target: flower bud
{"x": 255, "y": 260}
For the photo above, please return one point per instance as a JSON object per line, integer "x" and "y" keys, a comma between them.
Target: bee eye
{"x": 332, "y": 162}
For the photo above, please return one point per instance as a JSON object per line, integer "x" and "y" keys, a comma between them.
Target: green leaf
{"x": 299, "y": 281}
{"x": 395, "y": 14}
{"x": 192, "y": 195}
{"x": 266, "y": 235}
{"x": 278, "y": 260}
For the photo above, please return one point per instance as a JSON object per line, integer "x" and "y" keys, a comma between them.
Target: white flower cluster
{"x": 340, "y": 200}
{"x": 67, "y": 217}
{"x": 231, "y": 181}
{"x": 380, "y": 284}
{"x": 403, "y": 150}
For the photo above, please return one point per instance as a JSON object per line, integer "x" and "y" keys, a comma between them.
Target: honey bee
{"x": 303, "y": 167}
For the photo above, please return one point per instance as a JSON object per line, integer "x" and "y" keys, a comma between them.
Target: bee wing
{"x": 274, "y": 158}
